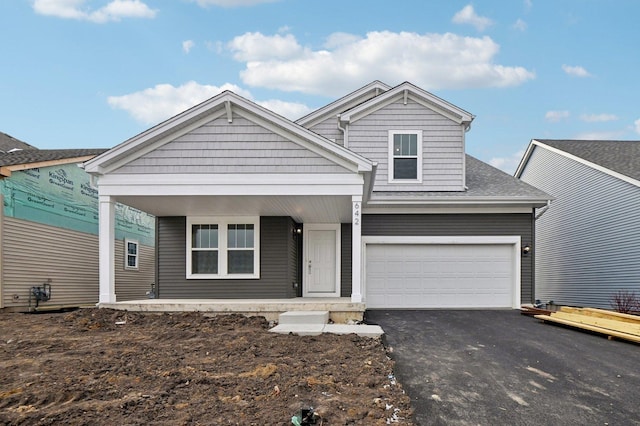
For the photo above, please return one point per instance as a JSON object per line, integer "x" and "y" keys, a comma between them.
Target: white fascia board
{"x": 460, "y": 201}
{"x": 312, "y": 141}
{"x": 346, "y": 102}
{"x": 525, "y": 158}
{"x": 595, "y": 166}
{"x": 414, "y": 93}
{"x": 246, "y": 184}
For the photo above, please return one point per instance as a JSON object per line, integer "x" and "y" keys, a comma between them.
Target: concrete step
{"x": 317, "y": 329}
{"x": 304, "y": 317}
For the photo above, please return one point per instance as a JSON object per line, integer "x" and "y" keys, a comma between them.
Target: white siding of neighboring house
{"x": 33, "y": 253}
{"x": 442, "y": 146}
{"x": 238, "y": 147}
{"x": 586, "y": 243}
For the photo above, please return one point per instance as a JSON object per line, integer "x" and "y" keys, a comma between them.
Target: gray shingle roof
{"x": 29, "y": 156}
{"x": 8, "y": 142}
{"x": 484, "y": 182}
{"x": 618, "y": 156}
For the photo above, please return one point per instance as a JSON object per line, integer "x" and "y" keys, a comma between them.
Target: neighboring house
{"x": 49, "y": 232}
{"x": 370, "y": 198}
{"x": 586, "y": 241}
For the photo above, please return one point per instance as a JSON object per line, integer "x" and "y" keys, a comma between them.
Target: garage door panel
{"x": 439, "y": 275}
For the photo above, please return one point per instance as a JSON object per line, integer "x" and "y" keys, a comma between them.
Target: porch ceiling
{"x": 310, "y": 209}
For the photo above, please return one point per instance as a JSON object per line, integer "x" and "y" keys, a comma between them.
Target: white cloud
{"x": 594, "y": 118}
{"x": 232, "y": 3}
{"x": 520, "y": 25}
{"x": 637, "y": 125}
{"x": 115, "y": 10}
{"x": 528, "y": 5}
{"x": 432, "y": 61}
{"x": 187, "y": 45}
{"x": 468, "y": 16}
{"x": 555, "y": 116}
{"x": 290, "y": 110}
{"x": 576, "y": 71}
{"x": 258, "y": 47}
{"x": 601, "y": 136}
{"x": 153, "y": 105}
{"x": 507, "y": 164}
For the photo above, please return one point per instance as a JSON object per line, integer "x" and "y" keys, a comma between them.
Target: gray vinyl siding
{"x": 238, "y": 147}
{"x": 587, "y": 240}
{"x": 277, "y": 272}
{"x": 133, "y": 284}
{"x": 442, "y": 145}
{"x": 518, "y": 224}
{"x": 329, "y": 129}
{"x": 33, "y": 253}
{"x": 345, "y": 260}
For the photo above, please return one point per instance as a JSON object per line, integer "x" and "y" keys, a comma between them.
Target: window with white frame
{"x": 405, "y": 156}
{"x": 131, "y": 254}
{"x": 223, "y": 247}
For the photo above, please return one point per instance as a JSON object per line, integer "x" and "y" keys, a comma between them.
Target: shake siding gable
{"x": 586, "y": 242}
{"x": 442, "y": 145}
{"x": 238, "y": 147}
{"x": 329, "y": 129}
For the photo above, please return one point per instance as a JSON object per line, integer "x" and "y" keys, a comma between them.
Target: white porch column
{"x": 106, "y": 238}
{"x": 356, "y": 248}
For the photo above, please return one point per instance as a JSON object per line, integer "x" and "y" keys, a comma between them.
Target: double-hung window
{"x": 130, "y": 254}
{"x": 405, "y": 156}
{"x": 223, "y": 247}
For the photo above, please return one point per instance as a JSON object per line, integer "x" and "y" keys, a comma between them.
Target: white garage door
{"x": 440, "y": 276}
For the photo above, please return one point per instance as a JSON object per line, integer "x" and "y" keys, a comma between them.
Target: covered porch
{"x": 341, "y": 309}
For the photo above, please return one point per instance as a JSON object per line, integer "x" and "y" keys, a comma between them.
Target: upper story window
{"x": 405, "y": 156}
{"x": 223, "y": 247}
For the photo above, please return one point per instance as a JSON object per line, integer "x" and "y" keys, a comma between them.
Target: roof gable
{"x": 407, "y": 91}
{"x": 32, "y": 158}
{"x": 224, "y": 105}
{"x": 616, "y": 158}
{"x": 353, "y": 99}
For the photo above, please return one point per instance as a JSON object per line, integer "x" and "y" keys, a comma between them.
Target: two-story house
{"x": 371, "y": 199}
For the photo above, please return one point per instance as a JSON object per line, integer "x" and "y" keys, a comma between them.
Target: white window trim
{"x": 127, "y": 241}
{"x": 419, "y": 159}
{"x": 223, "y": 222}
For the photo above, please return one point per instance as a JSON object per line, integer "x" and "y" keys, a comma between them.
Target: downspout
{"x": 542, "y": 210}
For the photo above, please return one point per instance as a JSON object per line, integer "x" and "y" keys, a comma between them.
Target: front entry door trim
{"x": 321, "y": 260}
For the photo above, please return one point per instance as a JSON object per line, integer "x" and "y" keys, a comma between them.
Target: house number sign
{"x": 356, "y": 214}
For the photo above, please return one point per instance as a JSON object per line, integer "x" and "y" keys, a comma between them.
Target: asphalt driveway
{"x": 503, "y": 368}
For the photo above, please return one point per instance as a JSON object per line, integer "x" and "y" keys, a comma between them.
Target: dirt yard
{"x": 104, "y": 367}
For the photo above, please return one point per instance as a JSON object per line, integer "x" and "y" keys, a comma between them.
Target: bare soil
{"x": 105, "y": 367}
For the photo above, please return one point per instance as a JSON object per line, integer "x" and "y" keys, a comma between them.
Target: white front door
{"x": 321, "y": 260}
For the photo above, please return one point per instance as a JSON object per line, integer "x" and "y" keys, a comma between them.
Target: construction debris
{"x": 609, "y": 323}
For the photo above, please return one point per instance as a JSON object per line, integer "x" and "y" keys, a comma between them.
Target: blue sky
{"x": 92, "y": 73}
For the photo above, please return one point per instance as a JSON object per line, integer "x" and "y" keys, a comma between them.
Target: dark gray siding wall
{"x": 461, "y": 225}
{"x": 345, "y": 260}
{"x": 587, "y": 239}
{"x": 278, "y": 262}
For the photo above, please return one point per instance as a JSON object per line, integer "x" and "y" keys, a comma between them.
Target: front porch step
{"x": 304, "y": 317}
{"x": 314, "y": 323}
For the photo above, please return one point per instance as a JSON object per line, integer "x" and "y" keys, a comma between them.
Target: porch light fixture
{"x": 526, "y": 249}
{"x": 297, "y": 230}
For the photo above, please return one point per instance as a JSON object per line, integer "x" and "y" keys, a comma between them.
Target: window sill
{"x": 223, "y": 277}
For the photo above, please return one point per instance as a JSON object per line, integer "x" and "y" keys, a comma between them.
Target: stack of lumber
{"x": 609, "y": 323}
